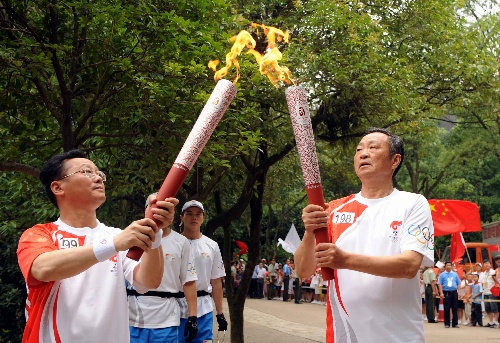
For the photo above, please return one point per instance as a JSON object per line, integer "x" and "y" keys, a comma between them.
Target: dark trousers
{"x": 253, "y": 288}
{"x": 429, "y": 301}
{"x": 260, "y": 288}
{"x": 476, "y": 314}
{"x": 450, "y": 303}
{"x": 298, "y": 289}
{"x": 270, "y": 289}
{"x": 286, "y": 284}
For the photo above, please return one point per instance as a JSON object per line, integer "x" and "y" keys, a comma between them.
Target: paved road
{"x": 277, "y": 321}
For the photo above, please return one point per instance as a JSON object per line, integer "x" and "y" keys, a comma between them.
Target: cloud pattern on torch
{"x": 301, "y": 120}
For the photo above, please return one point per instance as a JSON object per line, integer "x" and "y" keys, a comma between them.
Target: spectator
{"x": 272, "y": 276}
{"x": 448, "y": 289}
{"x": 286, "y": 279}
{"x": 78, "y": 265}
{"x": 306, "y": 290}
{"x": 297, "y": 285}
{"x": 490, "y": 305}
{"x": 431, "y": 290}
{"x": 467, "y": 301}
{"x": 476, "y": 311}
{"x": 253, "y": 290}
{"x": 260, "y": 281}
{"x": 234, "y": 276}
{"x": 278, "y": 283}
{"x": 315, "y": 280}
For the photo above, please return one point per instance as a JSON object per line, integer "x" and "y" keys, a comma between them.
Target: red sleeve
{"x": 34, "y": 242}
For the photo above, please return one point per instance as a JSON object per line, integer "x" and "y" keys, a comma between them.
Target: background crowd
{"x": 468, "y": 297}
{"x": 279, "y": 281}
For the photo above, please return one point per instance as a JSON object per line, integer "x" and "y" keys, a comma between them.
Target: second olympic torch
{"x": 214, "y": 109}
{"x": 302, "y": 128}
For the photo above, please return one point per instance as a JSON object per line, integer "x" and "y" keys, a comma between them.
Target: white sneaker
{"x": 459, "y": 322}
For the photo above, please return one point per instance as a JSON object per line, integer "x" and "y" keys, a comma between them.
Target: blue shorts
{"x": 205, "y": 326}
{"x": 163, "y": 335}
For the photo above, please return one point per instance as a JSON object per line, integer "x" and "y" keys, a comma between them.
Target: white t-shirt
{"x": 209, "y": 265}
{"x": 154, "y": 312}
{"x": 368, "y": 308}
{"x": 488, "y": 281}
{"x": 88, "y": 307}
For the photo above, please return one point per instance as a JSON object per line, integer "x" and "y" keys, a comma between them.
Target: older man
{"x": 448, "y": 288}
{"x": 379, "y": 239}
{"x": 431, "y": 290}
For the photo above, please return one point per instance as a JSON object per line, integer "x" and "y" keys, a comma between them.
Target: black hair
{"x": 52, "y": 170}
{"x": 395, "y": 144}
{"x": 447, "y": 263}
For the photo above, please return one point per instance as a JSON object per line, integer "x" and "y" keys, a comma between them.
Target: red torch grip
{"x": 315, "y": 197}
{"x": 168, "y": 189}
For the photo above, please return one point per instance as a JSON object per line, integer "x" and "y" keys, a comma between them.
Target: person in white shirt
{"x": 490, "y": 305}
{"x": 260, "y": 280}
{"x": 155, "y": 315}
{"x": 379, "y": 238}
{"x": 210, "y": 271}
{"x": 76, "y": 267}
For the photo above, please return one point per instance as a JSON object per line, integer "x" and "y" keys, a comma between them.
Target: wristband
{"x": 157, "y": 241}
{"x": 104, "y": 248}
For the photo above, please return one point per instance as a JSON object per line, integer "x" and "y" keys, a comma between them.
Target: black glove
{"x": 191, "y": 328}
{"x": 222, "y": 322}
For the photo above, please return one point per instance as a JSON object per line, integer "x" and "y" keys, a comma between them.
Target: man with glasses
{"x": 75, "y": 268}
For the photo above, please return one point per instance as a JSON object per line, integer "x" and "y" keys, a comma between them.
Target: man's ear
{"x": 396, "y": 161}
{"x": 56, "y": 188}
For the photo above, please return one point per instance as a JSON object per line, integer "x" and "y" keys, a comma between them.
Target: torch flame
{"x": 242, "y": 40}
{"x": 268, "y": 63}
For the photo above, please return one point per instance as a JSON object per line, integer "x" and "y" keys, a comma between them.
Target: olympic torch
{"x": 210, "y": 116}
{"x": 302, "y": 128}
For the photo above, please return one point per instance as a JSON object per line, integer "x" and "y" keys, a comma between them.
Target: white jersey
{"x": 368, "y": 308}
{"x": 209, "y": 265}
{"x": 88, "y": 307}
{"x": 154, "y": 312}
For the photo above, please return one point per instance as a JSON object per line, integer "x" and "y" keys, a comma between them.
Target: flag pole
{"x": 467, "y": 251}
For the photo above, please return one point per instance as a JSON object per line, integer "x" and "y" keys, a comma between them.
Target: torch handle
{"x": 315, "y": 197}
{"x": 168, "y": 189}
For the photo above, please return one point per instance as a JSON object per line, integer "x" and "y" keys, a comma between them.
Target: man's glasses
{"x": 88, "y": 173}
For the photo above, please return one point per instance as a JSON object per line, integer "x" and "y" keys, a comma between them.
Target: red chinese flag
{"x": 243, "y": 247}
{"x": 457, "y": 247}
{"x": 452, "y": 216}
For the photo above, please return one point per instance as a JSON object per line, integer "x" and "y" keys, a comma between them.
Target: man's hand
{"x": 221, "y": 320}
{"x": 314, "y": 217}
{"x": 165, "y": 210}
{"x": 191, "y": 328}
{"x": 331, "y": 256}
{"x": 140, "y": 233}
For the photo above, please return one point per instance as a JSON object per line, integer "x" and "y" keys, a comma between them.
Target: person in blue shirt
{"x": 286, "y": 279}
{"x": 476, "y": 312}
{"x": 448, "y": 289}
